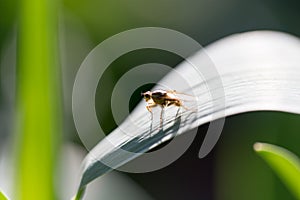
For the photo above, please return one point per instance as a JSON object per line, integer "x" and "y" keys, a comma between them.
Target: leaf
{"x": 284, "y": 163}
{"x": 2, "y": 196}
{"x": 240, "y": 73}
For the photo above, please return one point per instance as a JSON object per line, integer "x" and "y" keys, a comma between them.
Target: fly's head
{"x": 147, "y": 95}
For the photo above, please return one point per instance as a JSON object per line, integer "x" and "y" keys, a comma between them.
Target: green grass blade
{"x": 2, "y": 196}
{"x": 38, "y": 113}
{"x": 284, "y": 163}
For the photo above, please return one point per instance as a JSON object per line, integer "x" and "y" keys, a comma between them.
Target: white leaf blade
{"x": 259, "y": 71}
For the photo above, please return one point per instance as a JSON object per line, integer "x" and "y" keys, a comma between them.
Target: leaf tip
{"x": 258, "y": 146}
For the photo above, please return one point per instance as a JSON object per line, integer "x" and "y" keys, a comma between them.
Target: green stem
{"x": 79, "y": 194}
{"x": 38, "y": 98}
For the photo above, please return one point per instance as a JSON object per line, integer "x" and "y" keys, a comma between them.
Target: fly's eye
{"x": 145, "y": 95}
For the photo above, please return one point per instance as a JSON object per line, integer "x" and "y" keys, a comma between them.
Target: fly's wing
{"x": 180, "y": 95}
{"x": 189, "y": 101}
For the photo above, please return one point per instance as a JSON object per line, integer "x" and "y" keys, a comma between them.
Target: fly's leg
{"x": 179, "y": 104}
{"x": 149, "y": 106}
{"x": 149, "y": 109}
{"x": 161, "y": 117}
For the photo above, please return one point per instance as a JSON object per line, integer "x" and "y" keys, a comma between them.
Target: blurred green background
{"x": 232, "y": 170}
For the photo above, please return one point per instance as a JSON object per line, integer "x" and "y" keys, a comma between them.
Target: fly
{"x": 163, "y": 99}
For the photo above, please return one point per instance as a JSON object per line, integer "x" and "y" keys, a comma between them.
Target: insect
{"x": 163, "y": 99}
